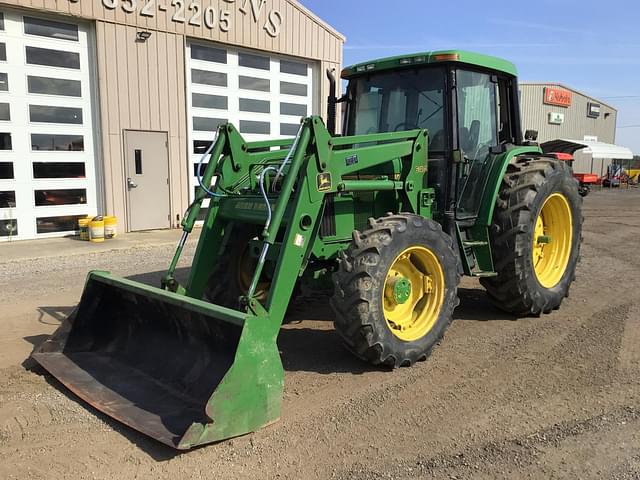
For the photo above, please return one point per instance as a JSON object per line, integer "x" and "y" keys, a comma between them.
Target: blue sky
{"x": 590, "y": 45}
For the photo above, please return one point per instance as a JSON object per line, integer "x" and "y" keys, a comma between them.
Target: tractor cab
{"x": 467, "y": 102}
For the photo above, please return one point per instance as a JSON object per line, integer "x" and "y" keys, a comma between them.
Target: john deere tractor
{"x": 430, "y": 179}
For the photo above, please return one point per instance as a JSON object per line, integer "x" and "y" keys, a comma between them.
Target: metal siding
{"x": 302, "y": 34}
{"x": 535, "y": 115}
{"x": 142, "y": 88}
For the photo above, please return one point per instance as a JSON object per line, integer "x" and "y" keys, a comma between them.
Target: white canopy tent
{"x": 595, "y": 149}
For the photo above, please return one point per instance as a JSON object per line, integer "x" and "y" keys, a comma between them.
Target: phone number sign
{"x": 191, "y": 12}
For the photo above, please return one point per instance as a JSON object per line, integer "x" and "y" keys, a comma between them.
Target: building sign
{"x": 556, "y": 118}
{"x": 191, "y": 12}
{"x": 590, "y": 138}
{"x": 593, "y": 110}
{"x": 557, "y": 96}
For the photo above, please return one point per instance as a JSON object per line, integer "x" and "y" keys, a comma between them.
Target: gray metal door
{"x": 147, "y": 180}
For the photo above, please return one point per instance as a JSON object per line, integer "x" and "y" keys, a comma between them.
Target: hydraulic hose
{"x": 288, "y": 157}
{"x": 199, "y": 171}
{"x": 263, "y": 191}
{"x": 265, "y": 246}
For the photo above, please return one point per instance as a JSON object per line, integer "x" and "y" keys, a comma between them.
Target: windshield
{"x": 399, "y": 100}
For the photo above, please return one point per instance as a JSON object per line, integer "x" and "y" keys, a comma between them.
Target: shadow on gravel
{"x": 154, "y": 278}
{"x": 475, "y": 306}
{"x": 318, "y": 351}
{"x": 29, "y": 363}
{"x": 53, "y": 315}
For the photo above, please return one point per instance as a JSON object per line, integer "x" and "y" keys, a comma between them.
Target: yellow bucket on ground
{"x": 110, "y": 227}
{"x": 83, "y": 226}
{"x": 96, "y": 230}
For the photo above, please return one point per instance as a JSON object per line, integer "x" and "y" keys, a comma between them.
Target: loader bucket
{"x": 180, "y": 370}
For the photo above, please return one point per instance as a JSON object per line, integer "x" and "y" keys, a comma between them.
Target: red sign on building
{"x": 557, "y": 96}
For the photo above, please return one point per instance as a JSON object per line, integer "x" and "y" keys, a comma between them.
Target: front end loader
{"x": 431, "y": 180}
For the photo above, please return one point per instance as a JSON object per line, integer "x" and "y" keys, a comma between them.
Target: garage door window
{"x": 208, "y": 54}
{"x": 204, "y": 77}
{"x": 8, "y": 228}
{"x": 48, "y": 28}
{"x": 6, "y": 171}
{"x": 49, "y": 114}
{"x": 202, "y": 100}
{"x": 252, "y": 83}
{"x": 54, "y": 86}
{"x": 7, "y": 199}
{"x": 52, "y": 58}
{"x": 254, "y": 61}
{"x": 52, "y": 142}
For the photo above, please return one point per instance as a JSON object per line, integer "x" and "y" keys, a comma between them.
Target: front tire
{"x": 396, "y": 289}
{"x": 232, "y": 274}
{"x": 535, "y": 237}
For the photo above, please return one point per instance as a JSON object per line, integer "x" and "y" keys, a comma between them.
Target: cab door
{"x": 485, "y": 127}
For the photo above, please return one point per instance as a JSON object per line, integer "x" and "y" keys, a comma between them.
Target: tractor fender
{"x": 494, "y": 180}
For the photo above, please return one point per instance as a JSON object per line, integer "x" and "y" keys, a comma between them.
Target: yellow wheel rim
{"x": 413, "y": 293}
{"x": 552, "y": 238}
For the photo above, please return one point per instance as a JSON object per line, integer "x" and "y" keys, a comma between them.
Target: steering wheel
{"x": 412, "y": 126}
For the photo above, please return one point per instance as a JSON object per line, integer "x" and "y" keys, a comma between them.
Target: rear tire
{"x": 364, "y": 307}
{"x": 528, "y": 186}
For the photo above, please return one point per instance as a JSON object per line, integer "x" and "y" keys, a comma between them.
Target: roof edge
{"x": 317, "y": 19}
{"x": 431, "y": 57}
{"x": 562, "y": 85}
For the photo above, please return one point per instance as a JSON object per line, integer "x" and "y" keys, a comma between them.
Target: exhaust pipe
{"x": 332, "y": 101}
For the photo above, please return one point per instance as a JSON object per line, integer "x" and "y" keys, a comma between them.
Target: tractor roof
{"x": 411, "y": 60}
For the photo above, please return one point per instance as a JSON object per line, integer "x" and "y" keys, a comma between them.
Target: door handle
{"x": 131, "y": 183}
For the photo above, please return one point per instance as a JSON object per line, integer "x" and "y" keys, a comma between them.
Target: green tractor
{"x": 430, "y": 180}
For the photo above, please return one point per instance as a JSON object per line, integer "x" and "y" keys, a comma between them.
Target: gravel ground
{"x": 550, "y": 397}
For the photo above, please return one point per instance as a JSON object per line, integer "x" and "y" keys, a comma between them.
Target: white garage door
{"x": 263, "y": 95}
{"x": 47, "y": 172}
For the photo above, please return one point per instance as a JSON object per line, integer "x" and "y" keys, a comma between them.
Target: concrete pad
{"x": 69, "y": 246}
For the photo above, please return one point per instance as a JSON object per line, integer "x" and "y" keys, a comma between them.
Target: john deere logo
{"x": 324, "y": 182}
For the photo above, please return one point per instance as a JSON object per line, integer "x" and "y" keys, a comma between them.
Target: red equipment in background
{"x": 585, "y": 179}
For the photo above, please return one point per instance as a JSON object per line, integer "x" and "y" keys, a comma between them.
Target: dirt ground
{"x": 550, "y": 397}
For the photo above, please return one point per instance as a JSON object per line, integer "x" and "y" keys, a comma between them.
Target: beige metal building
{"x": 107, "y": 105}
{"x": 587, "y": 125}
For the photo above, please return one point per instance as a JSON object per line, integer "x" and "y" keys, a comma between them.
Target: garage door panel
{"x": 266, "y": 95}
{"x": 48, "y": 102}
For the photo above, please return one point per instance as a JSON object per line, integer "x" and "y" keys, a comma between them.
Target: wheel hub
{"x": 398, "y": 290}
